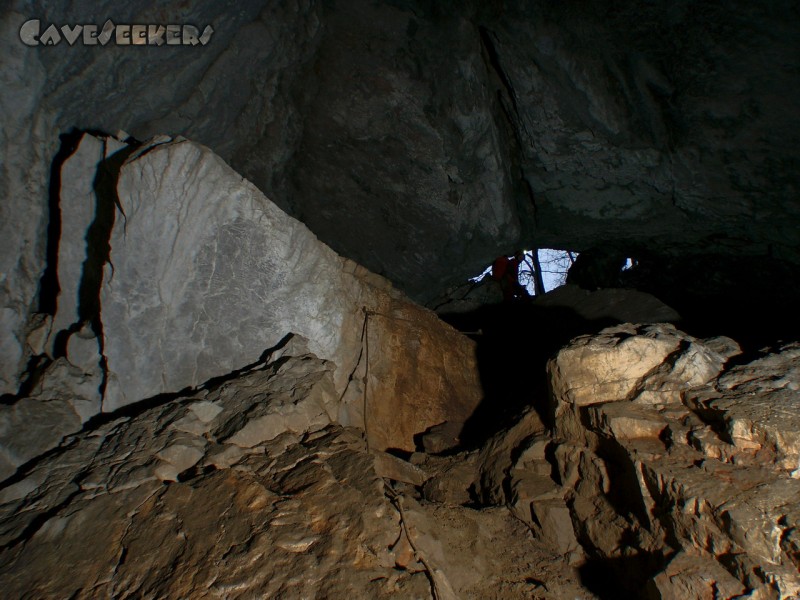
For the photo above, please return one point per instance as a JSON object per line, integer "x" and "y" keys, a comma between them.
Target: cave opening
{"x": 705, "y": 296}
{"x": 549, "y": 264}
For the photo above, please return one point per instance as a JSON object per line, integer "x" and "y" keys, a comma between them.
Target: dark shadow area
{"x": 48, "y": 284}
{"x": 49, "y": 287}
{"x": 753, "y": 300}
{"x": 622, "y": 578}
{"x": 515, "y": 342}
{"x": 399, "y": 453}
{"x": 624, "y": 492}
{"x": 31, "y": 376}
{"x": 98, "y": 250}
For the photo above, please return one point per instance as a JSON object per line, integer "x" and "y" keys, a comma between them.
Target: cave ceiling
{"x": 423, "y": 138}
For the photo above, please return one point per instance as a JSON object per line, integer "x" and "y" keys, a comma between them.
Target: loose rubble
{"x": 664, "y": 472}
{"x": 664, "y": 477}
{"x": 248, "y": 489}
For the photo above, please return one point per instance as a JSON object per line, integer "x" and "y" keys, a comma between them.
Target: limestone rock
{"x": 441, "y": 437}
{"x": 500, "y": 453}
{"x": 26, "y": 145}
{"x": 685, "y": 457}
{"x": 452, "y": 479}
{"x": 592, "y": 370}
{"x": 64, "y": 398}
{"x": 682, "y": 148}
{"x": 688, "y": 576}
{"x": 418, "y": 373}
{"x": 174, "y": 508}
{"x": 80, "y": 210}
{"x": 177, "y": 459}
{"x": 30, "y": 428}
{"x": 554, "y": 522}
{"x": 722, "y": 509}
{"x": 239, "y": 275}
{"x": 756, "y": 404}
{"x": 622, "y": 420}
{"x": 651, "y": 365}
{"x": 206, "y": 274}
{"x": 391, "y": 467}
{"x": 471, "y": 150}
{"x": 40, "y": 326}
{"x": 571, "y": 150}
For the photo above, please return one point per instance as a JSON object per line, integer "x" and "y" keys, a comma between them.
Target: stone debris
{"x": 248, "y": 486}
{"x": 177, "y": 502}
{"x": 668, "y": 460}
{"x": 442, "y": 437}
{"x": 391, "y": 467}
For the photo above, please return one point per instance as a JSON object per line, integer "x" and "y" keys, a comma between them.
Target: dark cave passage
{"x": 514, "y": 343}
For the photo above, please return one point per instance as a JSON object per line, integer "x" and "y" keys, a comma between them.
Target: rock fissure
{"x": 48, "y": 286}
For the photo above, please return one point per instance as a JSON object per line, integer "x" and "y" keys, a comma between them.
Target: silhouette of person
{"x": 505, "y": 271}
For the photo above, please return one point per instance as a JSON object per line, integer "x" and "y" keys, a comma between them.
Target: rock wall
{"x": 422, "y": 140}
{"x": 174, "y": 271}
{"x": 247, "y": 489}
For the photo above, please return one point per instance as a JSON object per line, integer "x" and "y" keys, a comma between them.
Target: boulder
{"x": 694, "y": 576}
{"x": 676, "y": 452}
{"x": 756, "y": 407}
{"x": 646, "y": 364}
{"x": 188, "y": 273}
{"x": 208, "y": 273}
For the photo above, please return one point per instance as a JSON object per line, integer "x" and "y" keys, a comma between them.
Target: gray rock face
{"x": 27, "y": 144}
{"x": 205, "y": 273}
{"x": 638, "y": 127}
{"x": 80, "y": 215}
{"x": 401, "y": 141}
{"x": 190, "y": 273}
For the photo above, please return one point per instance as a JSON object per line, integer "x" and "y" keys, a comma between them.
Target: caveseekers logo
{"x": 31, "y": 34}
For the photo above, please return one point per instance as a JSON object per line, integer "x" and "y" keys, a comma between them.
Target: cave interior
{"x": 269, "y": 241}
